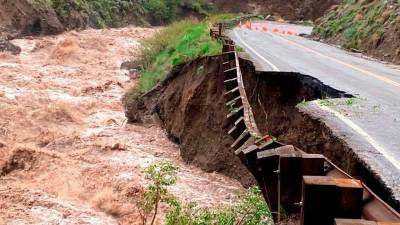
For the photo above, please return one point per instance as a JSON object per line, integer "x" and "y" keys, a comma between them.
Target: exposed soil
{"x": 20, "y": 17}
{"x": 67, "y": 154}
{"x": 24, "y": 17}
{"x": 191, "y": 106}
{"x": 289, "y": 10}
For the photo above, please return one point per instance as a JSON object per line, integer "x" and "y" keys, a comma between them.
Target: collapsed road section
{"x": 229, "y": 118}
{"x": 368, "y": 123}
{"x": 290, "y": 178}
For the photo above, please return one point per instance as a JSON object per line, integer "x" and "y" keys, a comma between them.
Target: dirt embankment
{"x": 371, "y": 27}
{"x": 289, "y": 10}
{"x": 192, "y": 109}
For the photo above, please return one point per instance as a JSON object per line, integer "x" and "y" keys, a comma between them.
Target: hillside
{"x": 30, "y": 17}
{"x": 290, "y": 9}
{"x": 370, "y": 26}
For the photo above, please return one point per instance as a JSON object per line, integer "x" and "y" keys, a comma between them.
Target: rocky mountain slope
{"x": 30, "y": 17}
{"x": 370, "y": 26}
{"x": 290, "y": 9}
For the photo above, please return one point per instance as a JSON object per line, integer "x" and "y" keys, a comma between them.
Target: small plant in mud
{"x": 349, "y": 101}
{"x": 303, "y": 103}
{"x": 161, "y": 175}
{"x": 250, "y": 209}
{"x": 232, "y": 108}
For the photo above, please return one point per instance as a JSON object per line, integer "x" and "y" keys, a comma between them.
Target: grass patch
{"x": 358, "y": 24}
{"x": 178, "y": 43}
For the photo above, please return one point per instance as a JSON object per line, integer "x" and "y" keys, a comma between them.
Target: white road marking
{"x": 364, "y": 134}
{"x": 274, "y": 68}
{"x": 345, "y": 120}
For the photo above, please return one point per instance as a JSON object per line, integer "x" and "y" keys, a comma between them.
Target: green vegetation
{"x": 102, "y": 13}
{"x": 161, "y": 176}
{"x": 303, "y": 103}
{"x": 327, "y": 103}
{"x": 164, "y": 11}
{"x": 232, "y": 108}
{"x": 337, "y": 102}
{"x": 358, "y": 24}
{"x": 178, "y": 43}
{"x": 249, "y": 209}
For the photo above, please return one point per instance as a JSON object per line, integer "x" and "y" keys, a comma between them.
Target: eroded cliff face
{"x": 191, "y": 106}
{"x": 24, "y": 17}
{"x": 290, "y": 10}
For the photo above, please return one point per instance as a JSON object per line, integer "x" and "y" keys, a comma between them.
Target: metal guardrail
{"x": 309, "y": 184}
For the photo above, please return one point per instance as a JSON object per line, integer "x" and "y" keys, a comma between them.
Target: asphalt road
{"x": 370, "y": 123}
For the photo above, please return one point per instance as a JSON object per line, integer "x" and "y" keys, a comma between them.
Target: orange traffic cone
{"x": 275, "y": 30}
{"x": 290, "y": 33}
{"x": 265, "y": 28}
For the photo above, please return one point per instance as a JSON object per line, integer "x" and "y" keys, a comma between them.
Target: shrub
{"x": 350, "y": 37}
{"x": 250, "y": 209}
{"x": 161, "y": 175}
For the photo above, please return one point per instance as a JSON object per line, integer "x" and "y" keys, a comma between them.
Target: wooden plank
{"x": 327, "y": 198}
{"x": 353, "y": 222}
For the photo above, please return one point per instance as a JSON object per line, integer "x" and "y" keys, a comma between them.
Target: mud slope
{"x": 192, "y": 109}
{"x": 276, "y": 99}
{"x": 290, "y": 10}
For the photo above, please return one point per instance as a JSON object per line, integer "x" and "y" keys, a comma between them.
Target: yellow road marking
{"x": 369, "y": 73}
{"x": 345, "y": 120}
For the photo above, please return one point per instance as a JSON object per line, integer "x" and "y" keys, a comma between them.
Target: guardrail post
{"x": 220, "y": 27}
{"x": 269, "y": 163}
{"x": 327, "y": 198}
